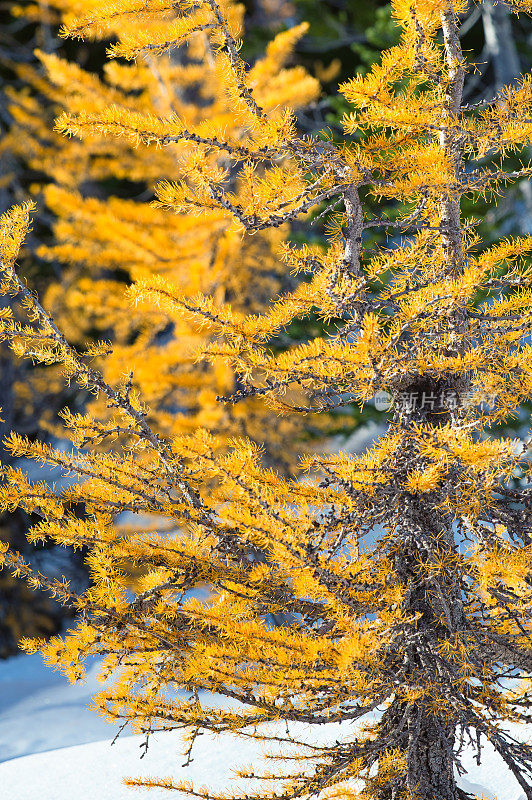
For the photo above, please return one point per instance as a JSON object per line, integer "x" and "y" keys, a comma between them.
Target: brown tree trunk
{"x": 425, "y": 737}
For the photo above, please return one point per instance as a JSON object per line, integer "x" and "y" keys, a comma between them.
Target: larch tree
{"x": 25, "y": 399}
{"x": 405, "y": 573}
{"x": 105, "y": 242}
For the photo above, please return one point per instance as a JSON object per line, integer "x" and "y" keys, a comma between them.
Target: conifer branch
{"x": 116, "y": 398}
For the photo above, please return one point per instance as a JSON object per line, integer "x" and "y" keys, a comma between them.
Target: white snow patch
{"x": 360, "y": 440}
{"x": 41, "y": 710}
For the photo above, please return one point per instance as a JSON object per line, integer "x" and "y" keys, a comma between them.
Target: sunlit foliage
{"x": 405, "y": 573}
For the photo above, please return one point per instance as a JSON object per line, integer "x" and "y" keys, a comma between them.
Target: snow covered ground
{"x": 40, "y": 710}
{"x": 52, "y": 747}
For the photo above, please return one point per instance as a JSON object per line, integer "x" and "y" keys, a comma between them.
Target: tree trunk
{"x": 425, "y": 737}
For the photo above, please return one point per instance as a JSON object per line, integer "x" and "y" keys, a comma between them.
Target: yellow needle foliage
{"x": 404, "y": 575}
{"x": 133, "y": 125}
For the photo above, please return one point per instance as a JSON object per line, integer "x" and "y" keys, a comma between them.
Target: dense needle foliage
{"x": 405, "y": 573}
{"x": 96, "y": 192}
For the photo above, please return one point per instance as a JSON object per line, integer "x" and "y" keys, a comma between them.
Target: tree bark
{"x": 421, "y": 532}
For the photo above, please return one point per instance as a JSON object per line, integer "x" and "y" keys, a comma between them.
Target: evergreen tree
{"x": 405, "y": 572}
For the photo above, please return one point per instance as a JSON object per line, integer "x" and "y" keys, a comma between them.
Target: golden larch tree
{"x": 103, "y": 244}
{"x": 406, "y": 573}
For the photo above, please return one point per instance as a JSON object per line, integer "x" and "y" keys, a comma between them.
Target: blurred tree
{"x": 25, "y": 398}
{"x": 107, "y": 234}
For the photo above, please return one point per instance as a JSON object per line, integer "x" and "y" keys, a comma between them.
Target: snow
{"x": 98, "y": 767}
{"x": 96, "y": 770}
{"x": 360, "y": 440}
{"x": 52, "y": 746}
{"x": 40, "y": 710}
